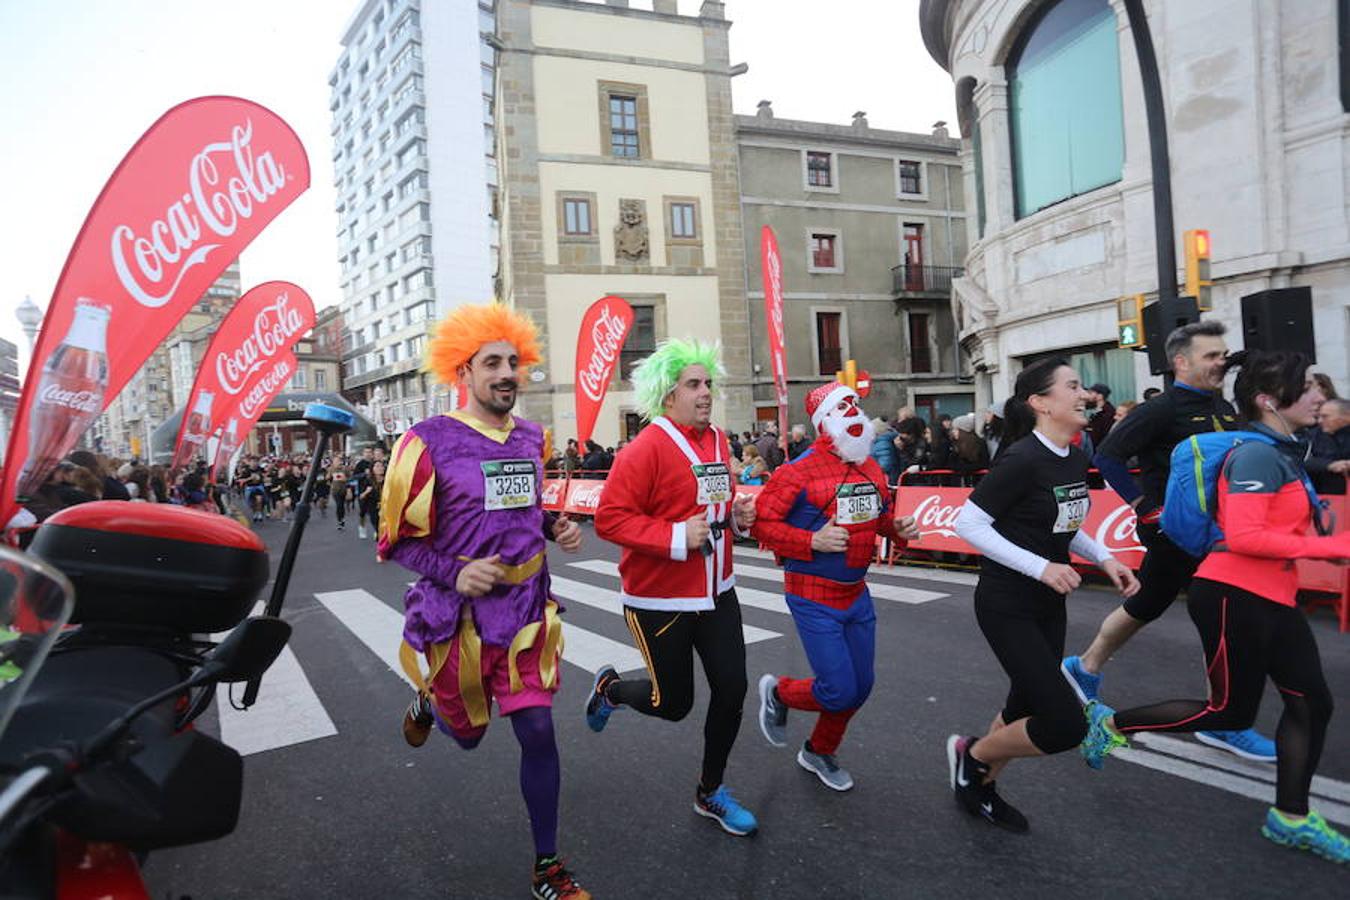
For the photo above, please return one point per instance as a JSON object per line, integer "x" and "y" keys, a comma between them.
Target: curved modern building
{"x": 1056, "y": 162}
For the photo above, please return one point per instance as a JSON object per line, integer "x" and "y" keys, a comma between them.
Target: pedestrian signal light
{"x": 1198, "y": 284}
{"x": 1130, "y": 321}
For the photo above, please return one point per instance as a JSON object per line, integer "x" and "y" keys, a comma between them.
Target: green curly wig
{"x": 656, "y": 376}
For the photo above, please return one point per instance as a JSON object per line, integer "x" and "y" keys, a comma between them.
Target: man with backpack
{"x": 1192, "y": 405}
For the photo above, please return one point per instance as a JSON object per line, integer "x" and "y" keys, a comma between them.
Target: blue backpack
{"x": 1192, "y": 495}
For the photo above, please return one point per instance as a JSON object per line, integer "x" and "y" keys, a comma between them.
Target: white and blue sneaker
{"x": 1084, "y": 683}
{"x": 720, "y": 805}
{"x": 598, "y": 707}
{"x": 772, "y": 712}
{"x": 1248, "y": 743}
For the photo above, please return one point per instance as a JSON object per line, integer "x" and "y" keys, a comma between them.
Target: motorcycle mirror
{"x": 247, "y": 652}
{"x": 330, "y": 420}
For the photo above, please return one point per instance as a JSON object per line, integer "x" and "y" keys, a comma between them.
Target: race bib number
{"x": 508, "y": 484}
{"x": 1072, "y": 502}
{"x": 857, "y": 503}
{"x": 714, "y": 483}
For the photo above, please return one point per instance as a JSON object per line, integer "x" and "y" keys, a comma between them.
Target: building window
{"x": 1068, "y": 133}
{"x": 641, "y": 341}
{"x": 577, "y": 216}
{"x": 911, "y": 178}
{"x": 624, "y": 125}
{"x": 298, "y": 379}
{"x": 824, "y": 251}
{"x": 682, "y": 221}
{"x": 819, "y": 169}
{"x": 829, "y": 348}
{"x": 320, "y": 380}
{"x": 920, "y": 348}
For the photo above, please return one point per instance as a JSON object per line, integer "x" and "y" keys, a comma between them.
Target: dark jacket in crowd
{"x": 768, "y": 448}
{"x": 883, "y": 451}
{"x": 1101, "y": 423}
{"x": 1325, "y": 450}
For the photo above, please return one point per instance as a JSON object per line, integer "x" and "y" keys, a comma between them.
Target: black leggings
{"x": 667, "y": 641}
{"x": 1026, "y": 633}
{"x": 1166, "y": 572}
{"x": 1247, "y": 638}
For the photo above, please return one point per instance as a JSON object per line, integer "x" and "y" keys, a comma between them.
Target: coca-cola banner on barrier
{"x": 264, "y": 324}
{"x": 603, "y": 330}
{"x": 238, "y": 417}
{"x": 771, "y": 266}
{"x": 198, "y": 186}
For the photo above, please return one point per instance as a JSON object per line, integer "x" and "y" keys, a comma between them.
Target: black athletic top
{"x": 1038, "y": 500}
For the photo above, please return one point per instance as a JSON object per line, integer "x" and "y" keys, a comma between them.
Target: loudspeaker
{"x": 1279, "y": 319}
{"x": 1156, "y": 330}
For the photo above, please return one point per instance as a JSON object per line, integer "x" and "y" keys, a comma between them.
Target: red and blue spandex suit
{"x": 826, "y": 593}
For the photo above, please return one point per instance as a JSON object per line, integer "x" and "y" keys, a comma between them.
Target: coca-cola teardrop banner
{"x": 771, "y": 266}
{"x": 599, "y": 342}
{"x": 198, "y": 186}
{"x": 265, "y": 323}
{"x": 246, "y": 408}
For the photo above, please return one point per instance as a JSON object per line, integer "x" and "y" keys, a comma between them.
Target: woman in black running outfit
{"x": 1024, "y": 517}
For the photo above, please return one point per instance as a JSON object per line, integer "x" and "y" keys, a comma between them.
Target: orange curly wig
{"x": 463, "y": 333}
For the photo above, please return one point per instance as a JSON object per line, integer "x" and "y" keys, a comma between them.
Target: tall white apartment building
{"x": 416, "y": 176}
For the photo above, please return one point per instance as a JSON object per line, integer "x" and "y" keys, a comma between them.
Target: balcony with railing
{"x": 910, "y": 281}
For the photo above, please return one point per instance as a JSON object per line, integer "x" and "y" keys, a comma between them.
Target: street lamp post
{"x": 30, "y": 316}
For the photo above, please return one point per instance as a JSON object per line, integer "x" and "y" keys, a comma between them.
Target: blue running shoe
{"x": 1083, "y": 682}
{"x": 1248, "y": 744}
{"x": 720, "y": 805}
{"x": 1310, "y": 833}
{"x": 598, "y": 708}
{"x": 1101, "y": 738}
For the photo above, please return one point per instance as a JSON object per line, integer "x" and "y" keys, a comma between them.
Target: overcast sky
{"x": 81, "y": 80}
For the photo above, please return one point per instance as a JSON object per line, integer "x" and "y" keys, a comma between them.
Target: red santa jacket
{"x": 665, "y": 476}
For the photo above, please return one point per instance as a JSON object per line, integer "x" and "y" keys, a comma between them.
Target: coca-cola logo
{"x": 273, "y": 329}
{"x": 551, "y": 492}
{"x": 79, "y": 401}
{"x": 267, "y": 386}
{"x": 171, "y": 246}
{"x": 586, "y": 497}
{"x": 933, "y": 517}
{"x": 1116, "y": 532}
{"x": 607, "y": 339}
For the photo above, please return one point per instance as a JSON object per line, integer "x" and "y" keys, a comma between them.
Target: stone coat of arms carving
{"x": 630, "y": 235}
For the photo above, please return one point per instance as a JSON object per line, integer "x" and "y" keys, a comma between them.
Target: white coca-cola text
{"x": 170, "y": 247}
{"x": 273, "y": 330}
{"x": 774, "y": 269}
{"x": 607, "y": 336}
{"x": 1116, "y": 533}
{"x": 264, "y": 389}
{"x": 933, "y": 517}
{"x": 80, "y": 401}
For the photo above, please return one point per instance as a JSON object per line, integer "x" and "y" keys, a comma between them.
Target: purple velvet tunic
{"x": 464, "y": 527}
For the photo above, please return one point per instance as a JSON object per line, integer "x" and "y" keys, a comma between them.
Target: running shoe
{"x": 552, "y": 881}
{"x": 824, "y": 767}
{"x": 1101, "y": 738}
{"x": 1248, "y": 744}
{"x": 720, "y": 805}
{"x": 973, "y": 794}
{"x": 1083, "y": 682}
{"x": 1308, "y": 833}
{"x": 417, "y": 721}
{"x": 599, "y": 709}
{"x": 772, "y": 712}
{"x": 360, "y": 532}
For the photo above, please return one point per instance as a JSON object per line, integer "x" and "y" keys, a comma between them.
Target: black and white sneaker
{"x": 973, "y": 794}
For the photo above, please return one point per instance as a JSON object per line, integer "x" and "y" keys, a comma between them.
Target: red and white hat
{"x": 825, "y": 398}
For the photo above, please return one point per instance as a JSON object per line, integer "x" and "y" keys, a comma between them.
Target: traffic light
{"x": 1130, "y": 321}
{"x": 1198, "y": 284}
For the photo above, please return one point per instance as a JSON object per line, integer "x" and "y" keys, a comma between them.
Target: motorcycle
{"x": 103, "y": 672}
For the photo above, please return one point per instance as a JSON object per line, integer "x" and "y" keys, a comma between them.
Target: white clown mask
{"x": 851, "y": 432}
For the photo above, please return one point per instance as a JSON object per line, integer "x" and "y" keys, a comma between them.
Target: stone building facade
{"x": 1056, "y": 156}
{"x": 871, "y": 227}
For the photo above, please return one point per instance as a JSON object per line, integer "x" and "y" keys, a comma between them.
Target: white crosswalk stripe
{"x": 612, "y": 602}
{"x": 919, "y": 573}
{"x": 772, "y": 602}
{"x": 880, "y": 589}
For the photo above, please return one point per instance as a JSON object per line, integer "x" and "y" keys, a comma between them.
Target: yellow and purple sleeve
{"x": 406, "y": 509}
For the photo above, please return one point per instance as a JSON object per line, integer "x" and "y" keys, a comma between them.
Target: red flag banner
{"x": 599, "y": 342}
{"x": 198, "y": 186}
{"x": 265, "y": 323}
{"x": 771, "y": 266}
{"x": 246, "y": 408}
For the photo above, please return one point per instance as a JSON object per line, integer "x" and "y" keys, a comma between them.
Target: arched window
{"x": 1067, "y": 126}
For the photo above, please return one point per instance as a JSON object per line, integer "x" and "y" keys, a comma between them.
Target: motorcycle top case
{"x": 152, "y": 564}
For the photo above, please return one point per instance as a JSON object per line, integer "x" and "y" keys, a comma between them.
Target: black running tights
{"x": 1247, "y": 638}
{"x": 667, "y": 641}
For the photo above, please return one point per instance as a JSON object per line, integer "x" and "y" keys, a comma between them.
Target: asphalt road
{"x": 337, "y": 805}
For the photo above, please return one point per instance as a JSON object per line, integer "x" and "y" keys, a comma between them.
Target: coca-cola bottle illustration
{"x": 194, "y": 435}
{"x": 69, "y": 395}
{"x": 229, "y": 442}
